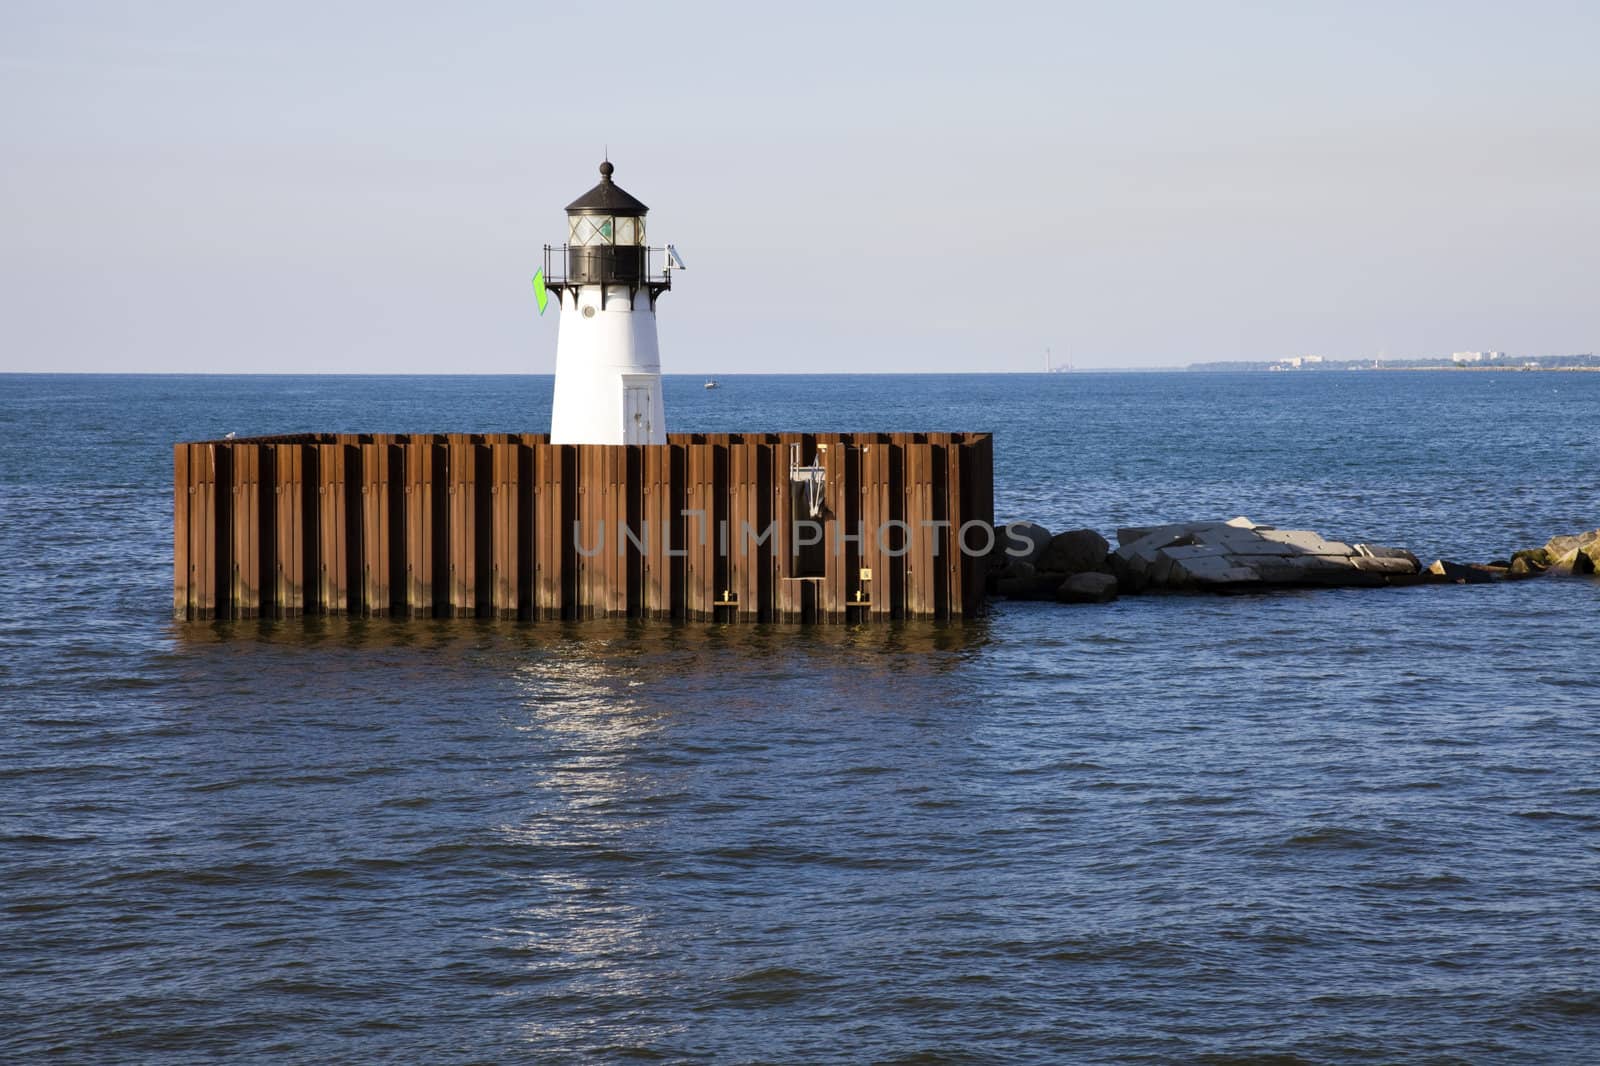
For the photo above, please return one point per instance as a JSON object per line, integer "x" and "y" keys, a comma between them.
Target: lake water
{"x": 1339, "y": 826}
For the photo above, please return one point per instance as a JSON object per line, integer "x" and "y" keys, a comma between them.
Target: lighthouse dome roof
{"x": 607, "y": 198}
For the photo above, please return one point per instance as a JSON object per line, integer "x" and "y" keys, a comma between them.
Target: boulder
{"x": 1088, "y": 588}
{"x": 1558, "y": 546}
{"x": 1021, "y": 542}
{"x": 1536, "y": 560}
{"x": 1018, "y": 581}
{"x": 1391, "y": 562}
{"x": 1575, "y": 561}
{"x": 1565, "y": 544}
{"x": 1076, "y": 551}
{"x": 1575, "y": 553}
{"x": 1520, "y": 570}
{"x": 1386, "y": 565}
{"x": 1045, "y": 583}
{"x": 1458, "y": 573}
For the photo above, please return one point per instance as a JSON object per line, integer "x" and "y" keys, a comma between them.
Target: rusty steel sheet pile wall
{"x": 509, "y": 526}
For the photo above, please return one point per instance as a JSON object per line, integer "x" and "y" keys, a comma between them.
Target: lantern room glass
{"x": 586, "y": 231}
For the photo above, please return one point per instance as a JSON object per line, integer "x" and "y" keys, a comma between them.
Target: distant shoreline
{"x": 1491, "y": 369}
{"x": 1269, "y": 368}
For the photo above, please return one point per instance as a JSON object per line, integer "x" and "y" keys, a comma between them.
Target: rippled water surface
{"x": 1346, "y": 826}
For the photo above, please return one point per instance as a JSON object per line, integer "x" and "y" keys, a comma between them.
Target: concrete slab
{"x": 1307, "y": 541}
{"x": 1149, "y": 547}
{"x": 1374, "y": 565}
{"x": 1194, "y": 551}
{"x": 1238, "y": 551}
{"x": 1258, "y": 547}
{"x": 1212, "y": 570}
{"x": 1160, "y": 572}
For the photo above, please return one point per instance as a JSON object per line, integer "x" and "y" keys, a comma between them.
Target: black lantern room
{"x": 605, "y": 240}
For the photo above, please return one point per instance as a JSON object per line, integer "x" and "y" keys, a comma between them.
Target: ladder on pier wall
{"x": 705, "y": 527}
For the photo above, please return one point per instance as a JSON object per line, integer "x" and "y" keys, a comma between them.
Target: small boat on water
{"x": 712, "y": 383}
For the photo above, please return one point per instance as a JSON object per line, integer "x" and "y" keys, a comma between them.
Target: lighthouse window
{"x": 590, "y": 229}
{"x": 587, "y": 230}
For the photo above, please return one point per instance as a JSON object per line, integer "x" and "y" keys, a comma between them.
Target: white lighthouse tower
{"x": 608, "y": 367}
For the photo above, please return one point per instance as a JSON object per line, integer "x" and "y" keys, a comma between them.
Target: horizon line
{"x": 551, "y": 374}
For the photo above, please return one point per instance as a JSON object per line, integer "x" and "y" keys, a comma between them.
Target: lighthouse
{"x": 608, "y": 366}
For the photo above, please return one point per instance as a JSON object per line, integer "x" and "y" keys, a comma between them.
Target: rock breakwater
{"x": 1079, "y": 566}
{"x": 1575, "y": 554}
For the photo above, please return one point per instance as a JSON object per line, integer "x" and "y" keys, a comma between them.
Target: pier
{"x": 769, "y": 527}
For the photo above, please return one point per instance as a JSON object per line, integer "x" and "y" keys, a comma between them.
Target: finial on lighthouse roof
{"x": 607, "y": 198}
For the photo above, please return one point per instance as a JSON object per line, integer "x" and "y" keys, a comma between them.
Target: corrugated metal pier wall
{"x": 511, "y": 526}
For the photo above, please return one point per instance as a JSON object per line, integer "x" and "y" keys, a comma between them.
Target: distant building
{"x": 1299, "y": 362}
{"x": 1476, "y": 357}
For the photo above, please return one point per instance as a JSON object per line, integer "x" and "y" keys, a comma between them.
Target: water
{"x": 1342, "y": 826}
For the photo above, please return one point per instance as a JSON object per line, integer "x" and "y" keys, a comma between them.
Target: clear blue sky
{"x": 367, "y": 187}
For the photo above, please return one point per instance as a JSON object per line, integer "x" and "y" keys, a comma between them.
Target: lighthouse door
{"x": 635, "y": 411}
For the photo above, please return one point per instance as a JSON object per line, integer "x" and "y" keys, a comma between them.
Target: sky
{"x": 367, "y": 188}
